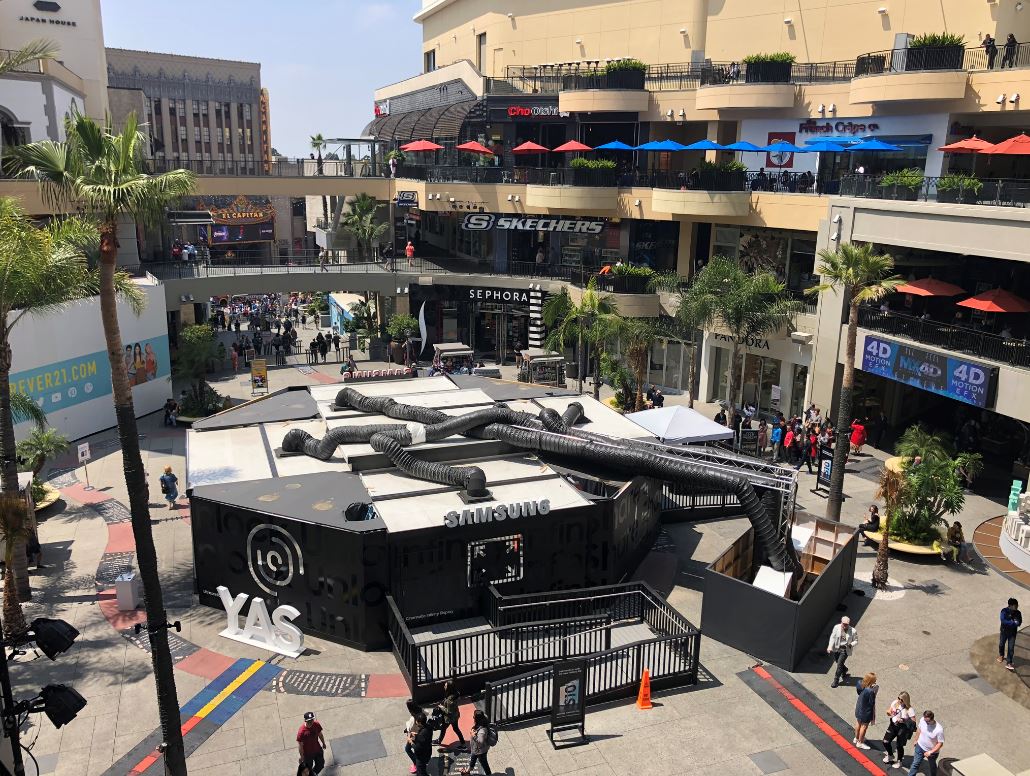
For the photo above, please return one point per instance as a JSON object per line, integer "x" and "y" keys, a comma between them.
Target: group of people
{"x": 990, "y": 47}
{"x": 454, "y": 366}
{"x": 320, "y": 345}
{"x": 421, "y": 727}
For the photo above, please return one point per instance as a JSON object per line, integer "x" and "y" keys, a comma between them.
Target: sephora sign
{"x": 276, "y": 632}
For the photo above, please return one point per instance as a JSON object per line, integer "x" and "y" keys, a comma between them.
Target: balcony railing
{"x": 978, "y": 344}
{"x": 973, "y": 58}
{"x": 1004, "y": 192}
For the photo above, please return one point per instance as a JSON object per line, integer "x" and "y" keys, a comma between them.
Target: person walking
{"x": 858, "y": 436}
{"x": 235, "y": 357}
{"x": 449, "y": 707}
{"x": 169, "y": 487}
{"x": 776, "y": 437}
{"x": 311, "y": 744}
{"x": 812, "y": 451}
{"x": 901, "y": 724}
{"x": 865, "y": 708}
{"x": 323, "y": 347}
{"x": 336, "y": 344}
{"x": 409, "y": 252}
{"x": 788, "y": 445}
{"x": 990, "y": 47}
{"x": 422, "y": 744}
{"x": 843, "y": 639}
{"x": 1011, "y": 44}
{"x": 763, "y": 437}
{"x": 484, "y": 736}
{"x": 1011, "y": 622}
{"x": 411, "y": 731}
{"x": 928, "y": 745}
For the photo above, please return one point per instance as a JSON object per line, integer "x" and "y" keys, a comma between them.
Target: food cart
{"x": 452, "y": 358}
{"x": 543, "y": 367}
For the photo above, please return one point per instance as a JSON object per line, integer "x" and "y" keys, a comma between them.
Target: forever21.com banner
{"x": 965, "y": 381}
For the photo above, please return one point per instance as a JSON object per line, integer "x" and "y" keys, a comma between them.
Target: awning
{"x": 438, "y": 122}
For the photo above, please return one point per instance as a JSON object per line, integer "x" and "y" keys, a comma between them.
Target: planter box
{"x": 900, "y": 192}
{"x": 624, "y": 79}
{"x": 768, "y": 72}
{"x": 936, "y": 58}
{"x": 870, "y": 64}
{"x": 961, "y": 196}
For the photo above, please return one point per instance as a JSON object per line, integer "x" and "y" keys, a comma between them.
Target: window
{"x": 726, "y": 242}
{"x": 203, "y": 107}
{"x": 480, "y": 51}
{"x": 249, "y": 137}
{"x": 181, "y": 106}
{"x": 196, "y": 134}
{"x": 182, "y": 132}
{"x": 246, "y": 112}
{"x": 207, "y": 134}
{"x": 196, "y": 106}
{"x": 429, "y": 61}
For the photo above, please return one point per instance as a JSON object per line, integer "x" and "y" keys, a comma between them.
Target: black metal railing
{"x": 972, "y": 58}
{"x": 278, "y": 168}
{"x": 961, "y": 339}
{"x": 1003, "y": 192}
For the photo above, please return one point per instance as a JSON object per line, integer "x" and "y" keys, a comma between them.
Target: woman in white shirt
{"x": 902, "y": 721}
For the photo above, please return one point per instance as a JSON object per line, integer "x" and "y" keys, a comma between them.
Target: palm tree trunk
{"x": 579, "y": 359}
{"x": 733, "y": 383}
{"x": 139, "y": 507}
{"x": 597, "y": 371}
{"x": 879, "y": 578}
{"x": 639, "y": 361}
{"x": 15, "y": 518}
{"x": 843, "y": 442}
{"x": 691, "y": 372}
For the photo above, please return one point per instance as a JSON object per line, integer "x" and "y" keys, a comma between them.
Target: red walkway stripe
{"x": 821, "y": 724}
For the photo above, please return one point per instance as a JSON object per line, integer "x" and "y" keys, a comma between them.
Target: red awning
{"x": 571, "y": 146}
{"x": 930, "y": 287}
{"x": 473, "y": 147}
{"x": 997, "y": 300}
{"x": 1014, "y": 146}
{"x": 421, "y": 145}
{"x": 529, "y": 147}
{"x": 972, "y": 145}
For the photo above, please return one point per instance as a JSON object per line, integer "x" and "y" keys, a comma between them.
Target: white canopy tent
{"x": 676, "y": 425}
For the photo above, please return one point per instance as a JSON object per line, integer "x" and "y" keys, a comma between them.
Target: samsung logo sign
{"x": 478, "y": 222}
{"x": 490, "y": 514}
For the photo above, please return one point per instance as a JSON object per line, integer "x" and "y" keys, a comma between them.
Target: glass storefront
{"x": 790, "y": 256}
{"x": 798, "y": 387}
{"x": 763, "y": 381}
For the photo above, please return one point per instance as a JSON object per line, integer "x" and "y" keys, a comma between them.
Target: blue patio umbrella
{"x": 784, "y": 147}
{"x": 704, "y": 145}
{"x": 615, "y": 145}
{"x": 873, "y": 145}
{"x": 824, "y": 147}
{"x": 661, "y": 145}
{"x": 743, "y": 145}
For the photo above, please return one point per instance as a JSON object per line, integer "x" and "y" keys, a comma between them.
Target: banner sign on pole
{"x": 84, "y": 452}
{"x": 569, "y": 702}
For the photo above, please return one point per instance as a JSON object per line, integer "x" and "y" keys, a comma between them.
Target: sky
{"x": 320, "y": 61}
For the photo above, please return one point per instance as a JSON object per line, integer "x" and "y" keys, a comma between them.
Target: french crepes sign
{"x": 363, "y": 375}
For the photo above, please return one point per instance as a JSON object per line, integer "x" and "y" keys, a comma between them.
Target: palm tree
{"x": 891, "y": 484}
{"x": 592, "y": 321}
{"x": 638, "y": 336}
{"x": 362, "y": 222}
{"x": 694, "y": 312}
{"x": 102, "y": 172}
{"x": 41, "y": 270}
{"x": 318, "y": 143}
{"x": 748, "y": 305}
{"x": 860, "y": 275}
{"x": 37, "y": 49}
{"x": 39, "y": 446}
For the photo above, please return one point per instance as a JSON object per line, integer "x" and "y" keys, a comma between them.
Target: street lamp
{"x": 60, "y": 703}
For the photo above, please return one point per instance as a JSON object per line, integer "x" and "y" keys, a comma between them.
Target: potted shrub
{"x": 935, "y": 51}
{"x": 631, "y": 279}
{"x": 625, "y": 74}
{"x": 722, "y": 176}
{"x": 768, "y": 68}
{"x": 959, "y": 187}
{"x": 400, "y": 328}
{"x": 902, "y": 184}
{"x": 592, "y": 172}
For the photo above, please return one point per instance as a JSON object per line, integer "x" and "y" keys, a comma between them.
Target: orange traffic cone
{"x": 644, "y": 696}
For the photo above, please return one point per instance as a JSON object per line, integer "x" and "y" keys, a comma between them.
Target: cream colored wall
{"x": 545, "y": 31}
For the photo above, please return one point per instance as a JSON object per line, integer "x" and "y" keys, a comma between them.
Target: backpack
{"x": 491, "y": 735}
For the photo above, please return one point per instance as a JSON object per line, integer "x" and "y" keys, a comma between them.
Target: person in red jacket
{"x": 858, "y": 436}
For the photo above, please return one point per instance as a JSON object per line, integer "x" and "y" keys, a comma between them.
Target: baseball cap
{"x": 308, "y": 716}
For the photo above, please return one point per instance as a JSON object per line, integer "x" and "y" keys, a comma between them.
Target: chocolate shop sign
{"x": 497, "y": 513}
{"x": 479, "y": 222}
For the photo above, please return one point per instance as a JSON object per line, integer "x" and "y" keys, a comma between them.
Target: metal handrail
{"x": 967, "y": 58}
{"x": 1002, "y": 192}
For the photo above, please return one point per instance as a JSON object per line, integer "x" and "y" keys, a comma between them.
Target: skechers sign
{"x": 497, "y": 513}
{"x": 479, "y": 222}
{"x": 965, "y": 381}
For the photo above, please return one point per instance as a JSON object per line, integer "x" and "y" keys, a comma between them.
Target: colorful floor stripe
{"x": 203, "y": 714}
{"x": 813, "y": 719}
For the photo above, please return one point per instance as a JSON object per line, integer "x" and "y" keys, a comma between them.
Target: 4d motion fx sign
{"x": 480, "y": 222}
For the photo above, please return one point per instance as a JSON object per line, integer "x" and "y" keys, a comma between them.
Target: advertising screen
{"x": 956, "y": 378}
{"x": 237, "y": 233}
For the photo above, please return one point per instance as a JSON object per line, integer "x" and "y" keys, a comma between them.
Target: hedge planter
{"x": 900, "y": 192}
{"x": 870, "y": 64}
{"x": 959, "y": 196}
{"x": 768, "y": 72}
{"x": 936, "y": 58}
{"x": 624, "y": 79}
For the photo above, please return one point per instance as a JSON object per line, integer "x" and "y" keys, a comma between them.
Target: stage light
{"x": 821, "y": 108}
{"x": 61, "y": 703}
{"x": 636, "y": 203}
{"x": 1001, "y": 99}
{"x": 683, "y": 30}
{"x": 788, "y": 21}
{"x": 53, "y": 637}
{"x": 833, "y": 107}
{"x": 881, "y": 10}
{"x": 1014, "y": 98}
{"x": 510, "y": 197}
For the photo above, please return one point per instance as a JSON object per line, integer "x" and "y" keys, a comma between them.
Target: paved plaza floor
{"x": 932, "y": 634}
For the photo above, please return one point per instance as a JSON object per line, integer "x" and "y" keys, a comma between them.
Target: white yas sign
{"x": 276, "y": 633}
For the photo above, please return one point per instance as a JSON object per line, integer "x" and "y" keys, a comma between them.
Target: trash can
{"x": 128, "y": 591}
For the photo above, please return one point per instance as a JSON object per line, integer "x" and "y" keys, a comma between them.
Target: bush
{"x": 395, "y": 154}
{"x": 632, "y": 270}
{"x": 779, "y": 56}
{"x": 730, "y": 166}
{"x": 937, "y": 40}
{"x": 959, "y": 182}
{"x": 400, "y": 327}
{"x": 206, "y": 403}
{"x": 37, "y": 490}
{"x": 623, "y": 65}
{"x": 909, "y": 178}
{"x": 580, "y": 163}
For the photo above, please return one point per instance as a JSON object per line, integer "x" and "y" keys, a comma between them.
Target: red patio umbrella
{"x": 1014, "y": 146}
{"x": 529, "y": 147}
{"x": 570, "y": 147}
{"x": 997, "y": 300}
{"x": 972, "y": 145}
{"x": 421, "y": 145}
{"x": 930, "y": 287}
{"x": 474, "y": 147}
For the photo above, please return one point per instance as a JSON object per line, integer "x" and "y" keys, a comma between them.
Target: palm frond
{"x": 37, "y": 49}
{"x": 24, "y": 409}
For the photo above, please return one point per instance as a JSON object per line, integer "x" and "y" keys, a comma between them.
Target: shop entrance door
{"x": 761, "y": 374}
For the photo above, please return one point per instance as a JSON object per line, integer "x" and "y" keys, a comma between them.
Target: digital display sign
{"x": 966, "y": 381}
{"x": 235, "y": 233}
